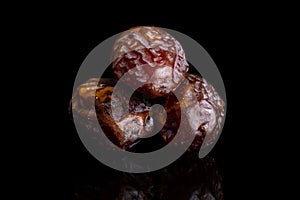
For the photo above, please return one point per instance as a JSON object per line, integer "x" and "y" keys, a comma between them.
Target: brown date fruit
{"x": 157, "y": 56}
{"x": 203, "y": 110}
{"x": 163, "y": 75}
{"x": 83, "y": 98}
{"x": 122, "y": 128}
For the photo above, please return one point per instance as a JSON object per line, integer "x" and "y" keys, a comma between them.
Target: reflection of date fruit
{"x": 154, "y": 48}
{"x": 187, "y": 178}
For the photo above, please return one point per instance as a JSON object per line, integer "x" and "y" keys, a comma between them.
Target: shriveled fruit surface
{"x": 156, "y": 60}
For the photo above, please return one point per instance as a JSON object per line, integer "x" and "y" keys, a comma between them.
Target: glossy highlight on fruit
{"x": 122, "y": 129}
{"x": 130, "y": 126}
{"x": 203, "y": 110}
{"x": 154, "y": 48}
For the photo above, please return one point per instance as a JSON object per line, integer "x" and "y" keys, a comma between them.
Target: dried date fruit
{"x": 165, "y": 69}
{"x": 83, "y": 97}
{"x": 203, "y": 109}
{"x": 205, "y": 113}
{"x": 122, "y": 128}
{"x": 157, "y": 56}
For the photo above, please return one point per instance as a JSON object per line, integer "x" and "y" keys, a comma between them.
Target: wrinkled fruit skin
{"x": 154, "y": 48}
{"x": 164, "y": 58}
{"x": 203, "y": 109}
{"x": 123, "y": 129}
{"x": 197, "y": 103}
